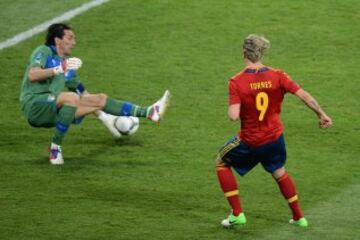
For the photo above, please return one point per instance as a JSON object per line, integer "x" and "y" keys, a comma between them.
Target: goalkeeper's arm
{"x": 40, "y": 74}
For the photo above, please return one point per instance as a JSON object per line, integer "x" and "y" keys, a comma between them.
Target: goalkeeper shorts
{"x": 40, "y": 110}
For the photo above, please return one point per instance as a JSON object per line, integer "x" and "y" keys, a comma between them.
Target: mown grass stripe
{"x": 331, "y": 217}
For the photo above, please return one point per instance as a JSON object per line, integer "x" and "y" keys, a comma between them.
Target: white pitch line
{"x": 43, "y": 26}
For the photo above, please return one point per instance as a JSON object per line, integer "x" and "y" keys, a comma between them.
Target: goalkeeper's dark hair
{"x": 55, "y": 30}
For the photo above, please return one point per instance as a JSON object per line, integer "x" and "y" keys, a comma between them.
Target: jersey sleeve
{"x": 39, "y": 57}
{"x": 287, "y": 83}
{"x": 234, "y": 97}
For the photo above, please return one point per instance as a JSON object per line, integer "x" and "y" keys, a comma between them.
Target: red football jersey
{"x": 260, "y": 93}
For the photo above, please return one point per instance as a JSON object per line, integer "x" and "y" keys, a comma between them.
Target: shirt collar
{"x": 53, "y": 49}
{"x": 256, "y": 70}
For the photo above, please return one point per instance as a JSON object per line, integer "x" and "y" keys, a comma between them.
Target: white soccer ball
{"x": 127, "y": 125}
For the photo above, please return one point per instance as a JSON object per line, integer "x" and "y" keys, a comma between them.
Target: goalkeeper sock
{"x": 229, "y": 186}
{"x": 288, "y": 190}
{"x": 122, "y": 108}
{"x": 64, "y": 118}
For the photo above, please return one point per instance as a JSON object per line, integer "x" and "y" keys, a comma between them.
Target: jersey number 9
{"x": 262, "y": 103}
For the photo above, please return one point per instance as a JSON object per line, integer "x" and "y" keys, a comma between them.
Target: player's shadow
{"x": 96, "y": 153}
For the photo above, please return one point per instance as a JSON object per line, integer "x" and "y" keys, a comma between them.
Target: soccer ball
{"x": 127, "y": 125}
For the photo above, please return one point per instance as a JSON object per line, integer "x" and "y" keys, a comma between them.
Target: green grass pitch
{"x": 161, "y": 182}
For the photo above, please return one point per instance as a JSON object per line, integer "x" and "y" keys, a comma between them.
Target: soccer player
{"x": 255, "y": 97}
{"x": 45, "y": 103}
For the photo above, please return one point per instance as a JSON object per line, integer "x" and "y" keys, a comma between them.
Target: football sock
{"x": 65, "y": 116}
{"x": 122, "y": 108}
{"x": 288, "y": 190}
{"x": 229, "y": 186}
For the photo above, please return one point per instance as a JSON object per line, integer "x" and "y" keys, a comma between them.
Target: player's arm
{"x": 234, "y": 101}
{"x": 290, "y": 86}
{"x": 234, "y": 112}
{"x": 324, "y": 120}
{"x": 38, "y": 73}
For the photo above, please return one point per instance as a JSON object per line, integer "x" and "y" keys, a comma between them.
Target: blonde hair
{"x": 254, "y": 47}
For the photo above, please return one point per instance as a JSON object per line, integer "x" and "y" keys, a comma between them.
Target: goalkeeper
{"x": 45, "y": 103}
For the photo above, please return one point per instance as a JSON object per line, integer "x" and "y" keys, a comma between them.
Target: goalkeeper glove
{"x": 68, "y": 64}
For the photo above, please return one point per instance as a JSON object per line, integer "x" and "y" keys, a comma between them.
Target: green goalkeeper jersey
{"x": 46, "y": 57}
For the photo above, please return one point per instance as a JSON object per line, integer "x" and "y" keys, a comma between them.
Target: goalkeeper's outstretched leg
{"x": 72, "y": 107}
{"x": 91, "y": 103}
{"x": 108, "y": 120}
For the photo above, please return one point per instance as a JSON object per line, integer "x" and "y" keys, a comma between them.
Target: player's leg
{"x": 47, "y": 110}
{"x": 288, "y": 190}
{"x": 234, "y": 154}
{"x": 274, "y": 163}
{"x": 90, "y": 103}
{"x": 93, "y": 102}
{"x": 230, "y": 189}
{"x": 67, "y": 104}
{"x": 153, "y": 112}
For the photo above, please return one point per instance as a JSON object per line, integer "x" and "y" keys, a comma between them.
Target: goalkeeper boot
{"x": 109, "y": 122}
{"x": 302, "y": 222}
{"x": 159, "y": 108}
{"x": 234, "y": 220}
{"x": 56, "y": 157}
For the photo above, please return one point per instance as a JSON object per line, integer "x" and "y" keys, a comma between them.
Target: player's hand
{"x": 325, "y": 121}
{"x": 67, "y": 65}
{"x": 72, "y": 64}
